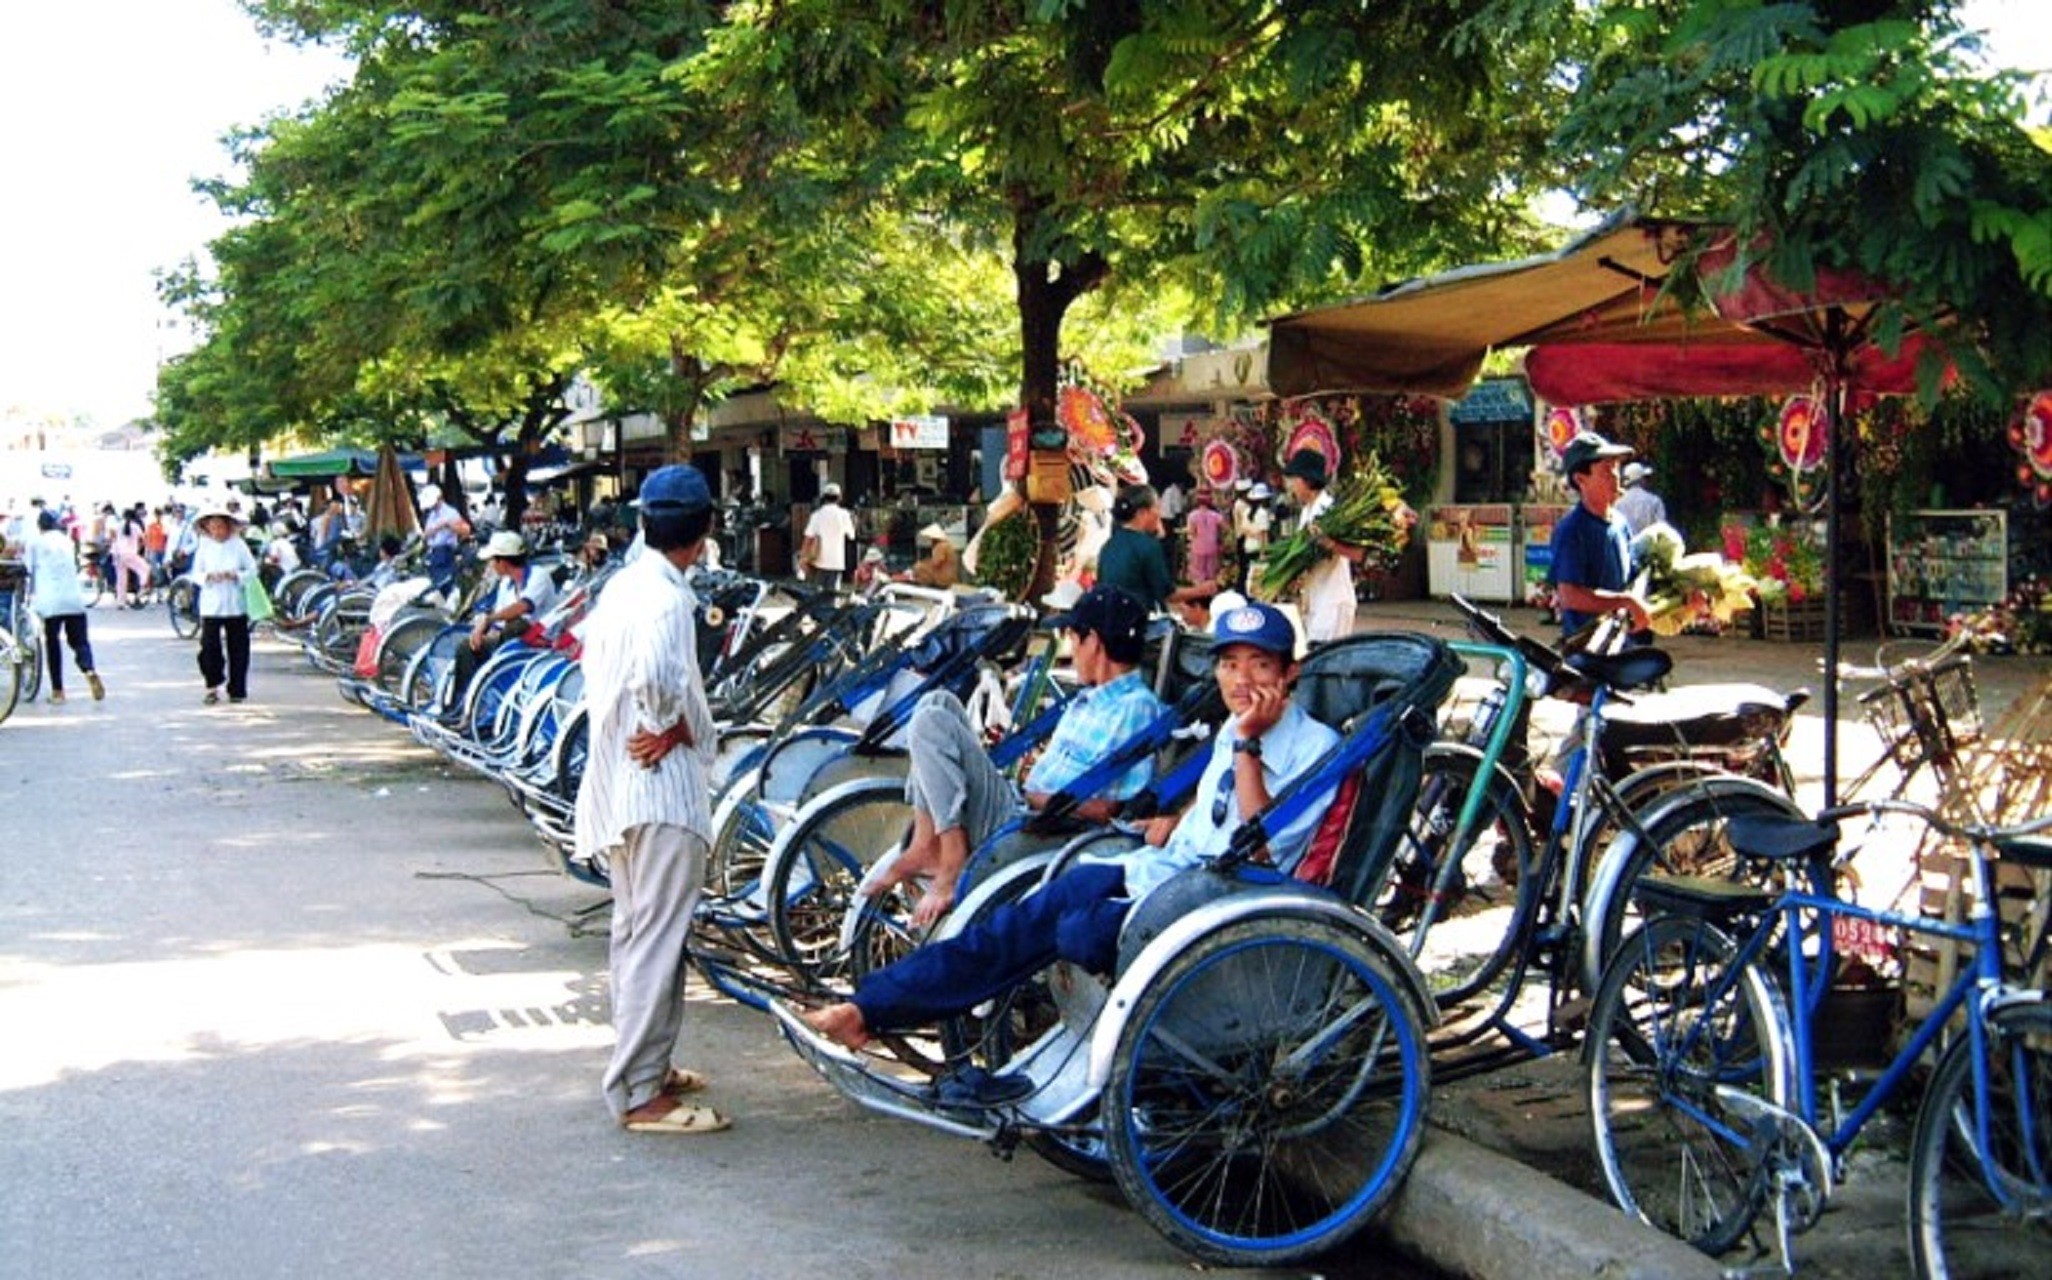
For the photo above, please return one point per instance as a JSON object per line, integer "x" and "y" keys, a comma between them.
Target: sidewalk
{"x": 1536, "y": 1113}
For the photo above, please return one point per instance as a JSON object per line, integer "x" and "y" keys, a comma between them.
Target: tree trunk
{"x": 1047, "y": 285}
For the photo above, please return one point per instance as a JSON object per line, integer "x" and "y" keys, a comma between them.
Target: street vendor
{"x": 1327, "y": 587}
{"x": 1592, "y": 558}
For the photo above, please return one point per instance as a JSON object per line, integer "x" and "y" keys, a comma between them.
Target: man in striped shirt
{"x": 958, "y": 797}
{"x": 644, "y": 805}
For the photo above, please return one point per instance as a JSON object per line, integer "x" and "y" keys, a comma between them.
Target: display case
{"x": 1535, "y": 547}
{"x": 1468, "y": 550}
{"x": 1945, "y": 562}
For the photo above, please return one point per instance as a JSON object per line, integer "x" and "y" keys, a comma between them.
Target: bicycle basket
{"x": 1927, "y": 715}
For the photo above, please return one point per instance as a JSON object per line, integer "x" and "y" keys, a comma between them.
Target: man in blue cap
{"x": 1268, "y": 743}
{"x": 1592, "y": 545}
{"x": 644, "y": 806}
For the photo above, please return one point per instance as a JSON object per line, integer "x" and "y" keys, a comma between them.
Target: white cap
{"x": 1064, "y": 596}
{"x": 933, "y": 533}
{"x": 1260, "y": 493}
{"x": 505, "y": 545}
{"x": 830, "y": 490}
{"x": 430, "y": 495}
{"x": 1635, "y": 471}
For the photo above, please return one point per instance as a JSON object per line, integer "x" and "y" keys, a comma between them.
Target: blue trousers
{"x": 1076, "y": 918}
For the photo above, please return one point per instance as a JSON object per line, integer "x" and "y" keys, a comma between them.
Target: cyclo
{"x": 1254, "y": 1074}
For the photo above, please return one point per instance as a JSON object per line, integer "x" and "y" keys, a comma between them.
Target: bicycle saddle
{"x": 1778, "y": 838}
{"x": 1632, "y": 669}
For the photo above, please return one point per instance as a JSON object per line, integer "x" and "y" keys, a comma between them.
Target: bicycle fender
{"x": 780, "y": 847}
{"x": 1275, "y": 901}
{"x": 1622, "y": 850}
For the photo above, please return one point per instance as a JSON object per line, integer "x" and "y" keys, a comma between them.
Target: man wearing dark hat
{"x": 1267, "y": 744}
{"x": 644, "y": 808}
{"x": 959, "y": 798}
{"x": 1592, "y": 546}
{"x": 1327, "y": 587}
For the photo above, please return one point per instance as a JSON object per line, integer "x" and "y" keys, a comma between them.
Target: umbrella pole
{"x": 1834, "y": 408}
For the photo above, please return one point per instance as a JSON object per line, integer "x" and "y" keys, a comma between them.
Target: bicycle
{"x": 22, "y": 646}
{"x": 1703, "y": 1070}
{"x": 1471, "y": 822}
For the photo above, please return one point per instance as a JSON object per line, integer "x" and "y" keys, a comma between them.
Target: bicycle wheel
{"x": 1684, "y": 834}
{"x": 29, "y": 651}
{"x": 1475, "y": 907}
{"x": 10, "y": 675}
{"x": 813, "y": 875}
{"x": 1268, "y": 1091}
{"x": 1680, "y": 1062}
{"x": 182, "y": 601}
{"x": 1984, "y": 1208}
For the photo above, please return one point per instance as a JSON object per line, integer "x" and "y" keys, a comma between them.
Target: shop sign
{"x": 922, "y": 431}
{"x": 1493, "y": 400}
{"x": 1018, "y": 430}
{"x": 1182, "y": 430}
{"x": 807, "y": 439}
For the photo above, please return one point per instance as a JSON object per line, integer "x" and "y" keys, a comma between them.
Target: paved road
{"x": 283, "y": 996}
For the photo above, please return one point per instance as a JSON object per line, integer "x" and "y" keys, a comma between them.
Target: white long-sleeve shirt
{"x": 222, "y": 599}
{"x": 640, "y": 665}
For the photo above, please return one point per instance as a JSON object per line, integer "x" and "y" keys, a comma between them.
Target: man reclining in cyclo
{"x": 1267, "y": 742}
{"x": 960, "y": 799}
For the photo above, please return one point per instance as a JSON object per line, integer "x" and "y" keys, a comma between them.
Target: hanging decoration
{"x": 1305, "y": 426}
{"x": 1797, "y": 442}
{"x": 2031, "y": 435}
{"x": 1563, "y": 424}
{"x": 1220, "y": 465}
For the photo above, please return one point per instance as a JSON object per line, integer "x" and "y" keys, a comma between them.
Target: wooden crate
{"x": 1780, "y": 620}
{"x": 2005, "y": 777}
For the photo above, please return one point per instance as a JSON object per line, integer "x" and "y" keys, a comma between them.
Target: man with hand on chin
{"x": 1268, "y": 742}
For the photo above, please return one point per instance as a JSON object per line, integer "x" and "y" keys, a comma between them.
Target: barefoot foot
{"x": 841, "y": 1023}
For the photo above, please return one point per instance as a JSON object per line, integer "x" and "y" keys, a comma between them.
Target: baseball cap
{"x": 504, "y": 545}
{"x": 1635, "y": 471}
{"x": 830, "y": 490}
{"x": 1260, "y": 493}
{"x": 874, "y": 555}
{"x": 1587, "y": 448}
{"x": 1261, "y": 625}
{"x": 678, "y": 487}
{"x": 1112, "y": 615}
{"x": 933, "y": 533}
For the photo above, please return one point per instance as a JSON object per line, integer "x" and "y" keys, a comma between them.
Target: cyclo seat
{"x": 1709, "y": 715}
{"x": 1337, "y": 684}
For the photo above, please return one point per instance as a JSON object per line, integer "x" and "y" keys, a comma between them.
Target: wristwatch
{"x": 1251, "y": 746}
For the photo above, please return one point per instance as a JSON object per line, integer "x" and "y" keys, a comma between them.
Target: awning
{"x": 318, "y": 466}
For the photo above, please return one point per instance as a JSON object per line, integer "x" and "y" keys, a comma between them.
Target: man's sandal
{"x": 682, "y": 1118}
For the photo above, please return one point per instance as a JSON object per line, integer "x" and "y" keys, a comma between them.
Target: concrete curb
{"x": 1474, "y": 1212}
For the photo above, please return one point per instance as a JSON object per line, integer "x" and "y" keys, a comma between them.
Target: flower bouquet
{"x": 1368, "y": 510}
{"x": 1700, "y": 591}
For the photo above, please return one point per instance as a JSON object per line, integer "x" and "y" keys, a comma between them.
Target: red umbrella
{"x": 1603, "y": 326}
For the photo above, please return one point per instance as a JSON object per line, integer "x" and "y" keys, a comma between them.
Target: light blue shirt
{"x": 1288, "y": 749}
{"x": 1099, "y": 720}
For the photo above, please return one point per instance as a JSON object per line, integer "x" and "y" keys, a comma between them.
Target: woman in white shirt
{"x": 223, "y": 566}
{"x": 55, "y": 597}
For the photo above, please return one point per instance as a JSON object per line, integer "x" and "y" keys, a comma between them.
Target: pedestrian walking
{"x": 56, "y": 597}
{"x": 223, "y": 566}
{"x": 645, "y": 806}
{"x": 1207, "y": 539}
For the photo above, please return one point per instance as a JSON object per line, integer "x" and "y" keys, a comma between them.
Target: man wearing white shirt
{"x": 1639, "y": 505}
{"x": 827, "y": 535}
{"x": 644, "y": 806}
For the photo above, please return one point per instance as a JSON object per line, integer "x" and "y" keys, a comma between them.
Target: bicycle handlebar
{"x": 1897, "y": 672}
{"x": 1973, "y": 833}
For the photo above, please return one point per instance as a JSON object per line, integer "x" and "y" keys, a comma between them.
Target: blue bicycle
{"x": 1703, "y": 1077}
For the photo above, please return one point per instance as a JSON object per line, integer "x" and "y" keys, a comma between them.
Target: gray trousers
{"x": 657, "y": 874}
{"x": 952, "y": 778}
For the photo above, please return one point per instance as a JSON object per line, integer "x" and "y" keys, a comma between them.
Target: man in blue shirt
{"x": 959, "y": 798}
{"x": 1592, "y": 545}
{"x": 1267, "y": 744}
